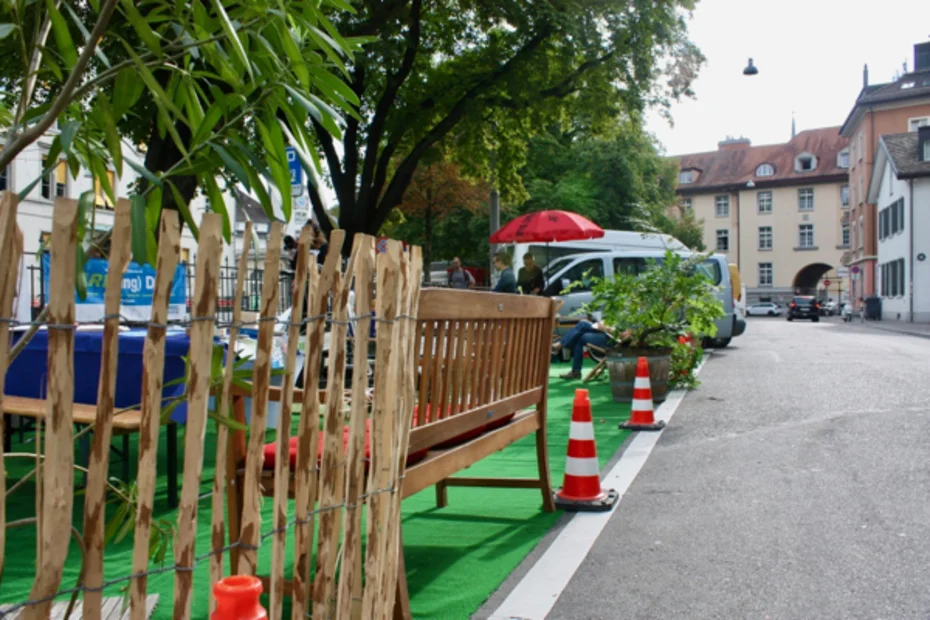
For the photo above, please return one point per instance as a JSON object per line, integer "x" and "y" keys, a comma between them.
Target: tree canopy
{"x": 487, "y": 77}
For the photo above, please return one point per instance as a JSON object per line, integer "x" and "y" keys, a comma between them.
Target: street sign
{"x": 293, "y": 164}
{"x": 855, "y": 268}
{"x": 842, "y": 272}
{"x": 381, "y": 246}
{"x": 826, "y": 283}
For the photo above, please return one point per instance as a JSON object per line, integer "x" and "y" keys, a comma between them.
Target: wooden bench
{"x": 483, "y": 367}
{"x": 125, "y": 423}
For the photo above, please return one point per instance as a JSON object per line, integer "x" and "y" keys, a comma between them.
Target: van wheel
{"x": 722, "y": 343}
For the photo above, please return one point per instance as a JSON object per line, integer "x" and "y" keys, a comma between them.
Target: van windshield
{"x": 635, "y": 265}
{"x": 554, "y": 255}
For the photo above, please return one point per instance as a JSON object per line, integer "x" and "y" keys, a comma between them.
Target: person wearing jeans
{"x": 581, "y": 335}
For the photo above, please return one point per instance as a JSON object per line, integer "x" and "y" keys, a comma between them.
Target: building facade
{"x": 774, "y": 210}
{"x": 899, "y": 106}
{"x": 900, "y": 189}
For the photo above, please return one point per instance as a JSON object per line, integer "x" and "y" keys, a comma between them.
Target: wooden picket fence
{"x": 332, "y": 488}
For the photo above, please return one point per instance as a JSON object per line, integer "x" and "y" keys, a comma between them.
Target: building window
{"x": 806, "y": 199}
{"x": 685, "y": 177}
{"x": 806, "y": 235}
{"x": 805, "y": 162}
{"x": 861, "y": 232}
{"x": 842, "y": 159}
{"x": 765, "y": 170}
{"x": 765, "y": 274}
{"x": 723, "y": 240}
{"x": 765, "y": 237}
{"x": 861, "y": 145}
{"x": 686, "y": 204}
{"x": 55, "y": 183}
{"x": 926, "y": 153}
{"x": 861, "y": 196}
{"x": 844, "y": 196}
{"x": 101, "y": 200}
{"x": 722, "y": 206}
{"x": 913, "y": 124}
{"x": 764, "y": 200}
{"x": 4, "y": 179}
{"x": 844, "y": 234}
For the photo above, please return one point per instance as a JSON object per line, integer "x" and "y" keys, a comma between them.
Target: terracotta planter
{"x": 621, "y": 364}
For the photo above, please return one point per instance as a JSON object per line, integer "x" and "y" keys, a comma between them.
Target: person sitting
{"x": 508, "y": 281}
{"x": 585, "y": 333}
{"x": 530, "y": 278}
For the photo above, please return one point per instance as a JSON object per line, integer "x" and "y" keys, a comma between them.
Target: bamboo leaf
{"x": 111, "y": 136}
{"x": 145, "y": 172}
{"x": 80, "y": 26}
{"x": 100, "y": 173}
{"x": 127, "y": 88}
{"x": 6, "y": 29}
{"x": 233, "y": 37}
{"x": 234, "y": 166}
{"x": 184, "y": 209}
{"x": 68, "y": 131}
{"x": 315, "y": 112}
{"x": 63, "y": 40}
{"x": 208, "y": 124}
{"x": 302, "y": 155}
{"x": 217, "y": 204}
{"x": 142, "y": 28}
{"x": 140, "y": 232}
{"x": 335, "y": 84}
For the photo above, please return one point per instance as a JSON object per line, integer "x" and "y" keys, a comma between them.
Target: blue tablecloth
{"x": 28, "y": 375}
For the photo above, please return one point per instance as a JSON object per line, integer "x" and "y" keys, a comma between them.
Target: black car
{"x": 804, "y": 307}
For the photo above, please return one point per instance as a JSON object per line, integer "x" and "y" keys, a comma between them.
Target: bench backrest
{"x": 482, "y": 357}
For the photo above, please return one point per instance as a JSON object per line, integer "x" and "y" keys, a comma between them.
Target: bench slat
{"x": 37, "y": 408}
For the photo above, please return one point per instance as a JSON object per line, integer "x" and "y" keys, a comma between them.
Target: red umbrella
{"x": 547, "y": 226}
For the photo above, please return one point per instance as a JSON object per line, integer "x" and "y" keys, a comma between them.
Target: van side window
{"x": 630, "y": 265}
{"x": 584, "y": 272}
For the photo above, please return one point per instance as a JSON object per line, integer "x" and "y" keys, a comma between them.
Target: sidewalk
{"x": 922, "y": 330}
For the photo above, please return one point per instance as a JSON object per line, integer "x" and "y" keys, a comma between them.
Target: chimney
{"x": 923, "y": 143}
{"x": 733, "y": 144}
{"x": 865, "y": 76}
{"x": 922, "y": 57}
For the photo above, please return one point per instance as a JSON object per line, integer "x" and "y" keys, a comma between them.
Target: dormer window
{"x": 765, "y": 170}
{"x": 805, "y": 162}
{"x": 686, "y": 176}
{"x": 906, "y": 85}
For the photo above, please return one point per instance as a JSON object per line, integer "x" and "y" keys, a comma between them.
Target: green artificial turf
{"x": 456, "y": 556}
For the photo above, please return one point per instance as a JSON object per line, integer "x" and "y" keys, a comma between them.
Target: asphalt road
{"x": 794, "y": 483}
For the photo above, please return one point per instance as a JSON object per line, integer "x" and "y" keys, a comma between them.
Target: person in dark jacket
{"x": 530, "y": 279}
{"x": 508, "y": 281}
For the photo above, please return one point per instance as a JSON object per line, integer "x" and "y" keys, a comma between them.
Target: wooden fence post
{"x": 95, "y": 494}
{"x": 251, "y": 515}
{"x": 153, "y": 367}
{"x": 10, "y": 254}
{"x": 58, "y": 499}
{"x": 203, "y": 310}
{"x": 223, "y": 400}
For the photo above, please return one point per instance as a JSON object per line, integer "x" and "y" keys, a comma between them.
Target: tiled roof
{"x": 245, "y": 204}
{"x": 737, "y": 165}
{"x": 902, "y": 148}
{"x": 914, "y": 85}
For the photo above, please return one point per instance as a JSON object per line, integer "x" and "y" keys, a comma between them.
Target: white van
{"x": 580, "y": 267}
{"x": 612, "y": 241}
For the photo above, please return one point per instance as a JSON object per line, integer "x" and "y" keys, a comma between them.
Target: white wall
{"x": 898, "y": 246}
{"x": 921, "y": 269}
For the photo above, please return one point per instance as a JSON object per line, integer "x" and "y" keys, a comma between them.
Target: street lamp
{"x": 750, "y": 69}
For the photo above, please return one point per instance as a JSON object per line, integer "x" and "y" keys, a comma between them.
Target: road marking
{"x": 536, "y": 594}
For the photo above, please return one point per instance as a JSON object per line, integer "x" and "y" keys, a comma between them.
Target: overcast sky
{"x": 809, "y": 54}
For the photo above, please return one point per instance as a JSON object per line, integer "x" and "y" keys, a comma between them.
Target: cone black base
{"x": 655, "y": 426}
{"x": 593, "y": 505}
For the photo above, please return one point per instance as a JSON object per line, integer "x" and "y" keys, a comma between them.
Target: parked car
{"x": 804, "y": 307}
{"x": 829, "y": 308}
{"x": 765, "y": 309}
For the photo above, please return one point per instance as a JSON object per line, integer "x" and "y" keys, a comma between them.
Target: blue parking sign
{"x": 293, "y": 164}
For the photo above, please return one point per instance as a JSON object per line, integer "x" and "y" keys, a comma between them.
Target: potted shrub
{"x": 662, "y": 313}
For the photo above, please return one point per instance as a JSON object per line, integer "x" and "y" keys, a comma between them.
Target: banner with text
{"x": 138, "y": 287}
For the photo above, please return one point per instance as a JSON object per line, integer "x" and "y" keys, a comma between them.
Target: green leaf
{"x": 297, "y": 63}
{"x": 275, "y": 150}
{"x": 145, "y": 172}
{"x": 62, "y": 35}
{"x": 315, "y": 112}
{"x": 302, "y": 155}
{"x": 233, "y": 37}
{"x": 234, "y": 166}
{"x": 80, "y": 26}
{"x": 109, "y": 120}
{"x": 142, "y": 28}
{"x": 217, "y": 204}
{"x": 140, "y": 232}
{"x": 335, "y": 83}
{"x": 6, "y": 29}
{"x": 127, "y": 88}
{"x": 98, "y": 167}
{"x": 184, "y": 209}
{"x": 208, "y": 124}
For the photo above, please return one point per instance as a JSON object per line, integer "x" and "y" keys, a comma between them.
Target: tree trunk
{"x": 427, "y": 242}
{"x": 162, "y": 154}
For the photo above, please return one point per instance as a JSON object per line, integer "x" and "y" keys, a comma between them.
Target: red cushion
{"x": 270, "y": 449}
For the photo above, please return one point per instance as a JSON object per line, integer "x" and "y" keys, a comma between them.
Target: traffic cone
{"x": 237, "y": 599}
{"x": 642, "y": 417}
{"x": 581, "y": 489}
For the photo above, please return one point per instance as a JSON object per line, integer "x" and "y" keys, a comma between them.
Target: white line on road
{"x": 536, "y": 594}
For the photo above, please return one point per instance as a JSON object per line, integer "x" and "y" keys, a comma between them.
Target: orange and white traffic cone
{"x": 642, "y": 417}
{"x": 581, "y": 489}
